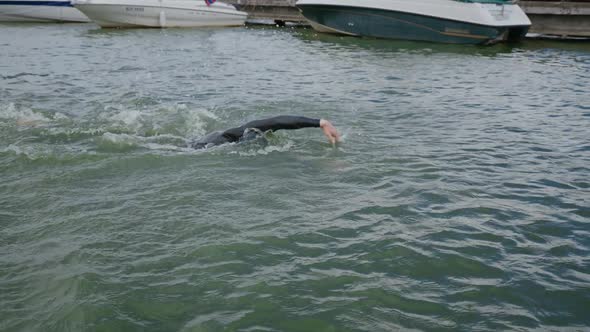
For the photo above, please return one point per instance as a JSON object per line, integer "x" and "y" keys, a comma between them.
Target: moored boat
{"x": 40, "y": 11}
{"x": 445, "y": 21}
{"x": 160, "y": 13}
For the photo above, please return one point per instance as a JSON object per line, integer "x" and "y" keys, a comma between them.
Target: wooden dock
{"x": 549, "y": 17}
{"x": 559, "y": 18}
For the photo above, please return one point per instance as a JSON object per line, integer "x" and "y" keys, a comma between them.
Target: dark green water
{"x": 458, "y": 201}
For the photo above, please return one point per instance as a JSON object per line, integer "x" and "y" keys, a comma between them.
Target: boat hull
{"x": 140, "y": 15}
{"x": 40, "y": 12}
{"x": 391, "y": 24}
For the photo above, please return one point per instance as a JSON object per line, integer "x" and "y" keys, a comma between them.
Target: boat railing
{"x": 498, "y": 2}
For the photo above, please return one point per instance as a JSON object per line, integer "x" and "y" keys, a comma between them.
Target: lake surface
{"x": 458, "y": 200}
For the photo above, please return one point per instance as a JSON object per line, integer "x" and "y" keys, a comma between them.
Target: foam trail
{"x": 177, "y": 119}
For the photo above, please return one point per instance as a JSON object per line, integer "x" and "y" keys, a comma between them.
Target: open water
{"x": 458, "y": 201}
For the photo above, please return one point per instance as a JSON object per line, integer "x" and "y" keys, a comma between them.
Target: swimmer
{"x": 257, "y": 128}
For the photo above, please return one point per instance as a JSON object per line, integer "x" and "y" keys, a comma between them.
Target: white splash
{"x": 166, "y": 147}
{"x": 265, "y": 150}
{"x": 21, "y": 116}
{"x": 119, "y": 138}
{"x": 197, "y": 121}
{"x": 178, "y": 119}
{"x": 130, "y": 119}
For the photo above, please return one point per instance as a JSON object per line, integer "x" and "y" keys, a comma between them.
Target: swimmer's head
{"x": 209, "y": 140}
{"x": 251, "y": 134}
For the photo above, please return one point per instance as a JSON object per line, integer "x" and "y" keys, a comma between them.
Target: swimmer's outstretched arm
{"x": 285, "y": 122}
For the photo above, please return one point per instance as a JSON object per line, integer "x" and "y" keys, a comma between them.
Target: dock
{"x": 562, "y": 19}
{"x": 559, "y": 18}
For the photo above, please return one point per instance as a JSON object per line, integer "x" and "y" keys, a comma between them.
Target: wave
{"x": 252, "y": 149}
{"x": 112, "y": 142}
{"x": 23, "y": 116}
{"x": 10, "y": 77}
{"x": 115, "y": 129}
{"x": 177, "y": 119}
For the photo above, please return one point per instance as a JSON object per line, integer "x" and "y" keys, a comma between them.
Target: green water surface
{"x": 459, "y": 199}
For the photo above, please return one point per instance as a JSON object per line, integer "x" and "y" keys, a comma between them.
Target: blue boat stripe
{"x": 37, "y": 3}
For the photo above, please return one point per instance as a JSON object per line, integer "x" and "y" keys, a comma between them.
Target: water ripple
{"x": 457, "y": 201}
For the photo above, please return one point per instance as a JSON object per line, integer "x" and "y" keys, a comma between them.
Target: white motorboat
{"x": 446, "y": 21}
{"x": 40, "y": 11}
{"x": 160, "y": 13}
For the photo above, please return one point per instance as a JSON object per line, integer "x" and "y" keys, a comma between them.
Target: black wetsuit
{"x": 258, "y": 126}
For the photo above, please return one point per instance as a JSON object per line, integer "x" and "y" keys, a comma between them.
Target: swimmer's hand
{"x": 330, "y": 131}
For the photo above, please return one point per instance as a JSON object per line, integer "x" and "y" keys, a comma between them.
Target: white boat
{"x": 446, "y": 21}
{"x": 40, "y": 11}
{"x": 160, "y": 13}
